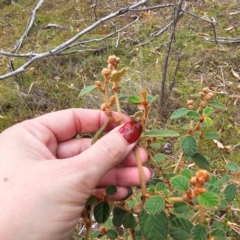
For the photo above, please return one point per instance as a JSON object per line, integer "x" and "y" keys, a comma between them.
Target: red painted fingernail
{"x": 131, "y": 131}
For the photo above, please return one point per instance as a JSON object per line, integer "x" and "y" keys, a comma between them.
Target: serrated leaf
{"x": 159, "y": 158}
{"x": 212, "y": 135}
{"x": 154, "y": 204}
{"x": 199, "y": 232}
{"x": 151, "y": 99}
{"x": 187, "y": 173}
{"x": 230, "y": 192}
{"x": 160, "y": 187}
{"x": 208, "y": 199}
{"x": 180, "y": 228}
{"x": 161, "y": 133}
{"x": 232, "y": 167}
{"x": 118, "y": 215}
{"x": 189, "y": 145}
{"x": 208, "y": 111}
{"x": 200, "y": 160}
{"x": 134, "y": 99}
{"x": 222, "y": 205}
{"x": 179, "y": 113}
{"x": 154, "y": 181}
{"x": 219, "y": 234}
{"x": 111, "y": 190}
{"x": 220, "y": 225}
{"x": 129, "y": 221}
{"x": 212, "y": 188}
{"x": 193, "y": 115}
{"x": 151, "y": 189}
{"x": 123, "y": 98}
{"x": 153, "y": 227}
{"x": 131, "y": 203}
{"x": 91, "y": 199}
{"x": 102, "y": 212}
{"x": 217, "y": 105}
{"x": 180, "y": 207}
{"x": 208, "y": 121}
{"x": 138, "y": 114}
{"x": 180, "y": 183}
{"x": 112, "y": 234}
{"x": 86, "y": 90}
{"x": 116, "y": 75}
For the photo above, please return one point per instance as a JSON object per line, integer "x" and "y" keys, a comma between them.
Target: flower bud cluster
{"x": 113, "y": 62}
{"x": 205, "y": 95}
{"x": 190, "y": 104}
{"x": 197, "y": 183}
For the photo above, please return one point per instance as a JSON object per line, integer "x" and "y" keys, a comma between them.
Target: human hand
{"x": 46, "y": 175}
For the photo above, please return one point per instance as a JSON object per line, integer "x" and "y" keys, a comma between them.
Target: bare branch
{"x": 177, "y": 14}
{"x": 32, "y": 19}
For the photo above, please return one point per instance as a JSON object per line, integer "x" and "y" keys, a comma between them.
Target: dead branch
{"x": 168, "y": 49}
{"x": 64, "y": 45}
{"x": 31, "y": 22}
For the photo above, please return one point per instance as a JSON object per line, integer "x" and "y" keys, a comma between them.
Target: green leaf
{"x": 208, "y": 111}
{"x": 151, "y": 189}
{"x": 112, "y": 234}
{"x": 111, "y": 190}
{"x": 193, "y": 115}
{"x": 180, "y": 207}
{"x": 232, "y": 167}
{"x": 154, "y": 181}
{"x": 179, "y": 113}
{"x": 154, "y": 204}
{"x": 208, "y": 121}
{"x": 91, "y": 199}
{"x": 102, "y": 212}
{"x": 200, "y": 160}
{"x": 187, "y": 173}
{"x": 180, "y": 183}
{"x": 161, "y": 133}
{"x": 219, "y": 234}
{"x": 134, "y": 99}
{"x": 230, "y": 192}
{"x": 116, "y": 75}
{"x": 122, "y": 98}
{"x": 208, "y": 199}
{"x": 155, "y": 145}
{"x": 220, "y": 225}
{"x": 129, "y": 221}
{"x": 131, "y": 203}
{"x": 199, "y": 232}
{"x": 222, "y": 205}
{"x": 159, "y": 158}
{"x": 180, "y": 228}
{"x": 118, "y": 215}
{"x": 86, "y": 90}
{"x": 160, "y": 187}
{"x": 212, "y": 135}
{"x": 212, "y": 188}
{"x": 189, "y": 145}
{"x": 154, "y": 227}
{"x": 217, "y": 105}
{"x": 151, "y": 99}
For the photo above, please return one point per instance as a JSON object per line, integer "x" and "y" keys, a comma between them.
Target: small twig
{"x": 31, "y": 22}
{"x": 205, "y": 20}
{"x": 223, "y": 79}
{"x": 178, "y": 163}
{"x": 235, "y": 146}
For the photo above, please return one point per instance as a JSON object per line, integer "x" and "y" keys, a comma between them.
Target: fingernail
{"x": 152, "y": 172}
{"x": 130, "y": 192}
{"x": 131, "y": 131}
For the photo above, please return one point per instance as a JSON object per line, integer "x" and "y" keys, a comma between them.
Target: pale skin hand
{"x": 46, "y": 175}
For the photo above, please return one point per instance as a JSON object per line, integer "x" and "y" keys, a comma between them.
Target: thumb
{"x": 107, "y": 152}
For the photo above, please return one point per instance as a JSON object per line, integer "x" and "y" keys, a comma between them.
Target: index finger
{"x": 65, "y": 124}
